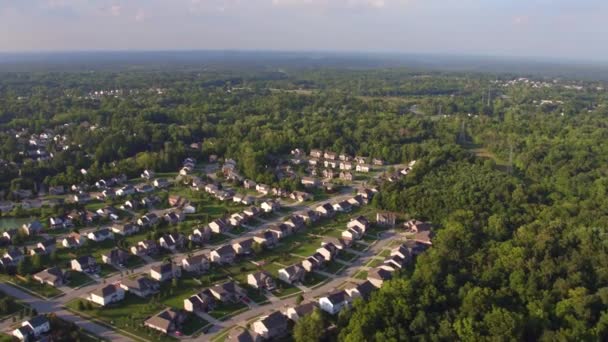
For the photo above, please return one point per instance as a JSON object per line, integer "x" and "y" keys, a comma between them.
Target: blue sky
{"x": 572, "y": 29}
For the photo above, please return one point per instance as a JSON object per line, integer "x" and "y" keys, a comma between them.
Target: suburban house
{"x": 325, "y": 210}
{"x": 236, "y": 219}
{"x": 227, "y": 292}
{"x": 299, "y": 311}
{"x": 146, "y": 247}
{"x": 201, "y": 234}
{"x": 85, "y": 263}
{"x": 352, "y": 234}
{"x": 176, "y": 201}
{"x": 300, "y": 196}
{"x": 363, "y": 290}
{"x": 141, "y": 286}
{"x": 356, "y": 201}
{"x": 360, "y": 222}
{"x": 74, "y": 240}
{"x": 48, "y": 245}
{"x": 56, "y": 223}
{"x": 165, "y": 271}
{"x": 108, "y": 212}
{"x": 377, "y": 161}
{"x": 295, "y": 222}
{"x": 346, "y": 166}
{"x": 196, "y": 264}
{"x": 101, "y": 235}
{"x": 261, "y": 280}
{"x": 377, "y": 276}
{"x": 147, "y": 174}
{"x": 271, "y": 326}
{"x": 82, "y": 197}
{"x": 53, "y": 276}
{"x": 172, "y": 241}
{"x": 362, "y": 168}
{"x": 329, "y": 250}
{"x": 307, "y": 215}
{"x": 32, "y": 228}
{"x": 174, "y": 217}
{"x": 243, "y": 246}
{"x": 310, "y": 181}
{"x": 421, "y": 230}
{"x": 161, "y": 183}
{"x": 252, "y": 211}
{"x": 115, "y": 256}
{"x": 223, "y": 255}
{"x": 249, "y": 184}
{"x": 316, "y": 153}
{"x": 219, "y": 226}
{"x": 313, "y": 262}
{"x": 125, "y": 229}
{"x": 166, "y": 321}
{"x": 395, "y": 262}
{"x": 366, "y": 195}
{"x": 386, "y": 219}
{"x": 292, "y": 274}
{"x": 342, "y": 206}
{"x": 346, "y": 176}
{"x": 13, "y": 256}
{"x": 334, "y": 302}
{"x": 270, "y": 206}
{"x": 125, "y": 190}
{"x": 33, "y": 328}
{"x": 266, "y": 238}
{"x": 148, "y": 220}
{"x": 107, "y": 295}
{"x": 203, "y": 301}
{"x": 262, "y": 188}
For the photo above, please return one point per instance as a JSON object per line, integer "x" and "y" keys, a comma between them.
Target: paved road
{"x": 55, "y": 306}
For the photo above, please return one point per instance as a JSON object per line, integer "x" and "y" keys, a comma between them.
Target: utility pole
{"x": 510, "y": 167}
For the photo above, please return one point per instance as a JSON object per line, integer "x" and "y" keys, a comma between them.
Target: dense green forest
{"x": 521, "y": 251}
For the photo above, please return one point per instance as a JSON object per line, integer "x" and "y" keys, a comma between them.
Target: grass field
{"x": 224, "y": 310}
{"x": 43, "y": 290}
{"x": 77, "y": 279}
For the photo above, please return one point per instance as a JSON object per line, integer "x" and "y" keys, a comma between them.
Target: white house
{"x": 334, "y": 302}
{"x": 35, "y": 327}
{"x": 107, "y": 294}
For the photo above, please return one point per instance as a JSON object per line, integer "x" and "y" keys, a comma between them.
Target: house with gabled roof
{"x": 292, "y": 274}
{"x": 266, "y": 238}
{"x": 377, "y": 276}
{"x": 219, "y": 226}
{"x": 223, "y": 255}
{"x": 195, "y": 263}
{"x": 299, "y": 311}
{"x": 101, "y": 235}
{"x": 363, "y": 290}
{"x": 325, "y": 210}
{"x": 172, "y": 241}
{"x": 166, "y": 321}
{"x": 243, "y": 246}
{"x": 335, "y": 302}
{"x": 227, "y": 292}
{"x": 107, "y": 294}
{"x": 115, "y": 256}
{"x": 203, "y": 301}
{"x": 74, "y": 240}
{"x": 200, "y": 234}
{"x": 125, "y": 229}
{"x": 32, "y": 228}
{"x": 140, "y": 286}
{"x": 313, "y": 262}
{"x": 53, "y": 276}
{"x": 165, "y": 271}
{"x": 85, "y": 263}
{"x": 33, "y": 328}
{"x": 261, "y": 280}
{"x": 271, "y": 326}
{"x": 146, "y": 247}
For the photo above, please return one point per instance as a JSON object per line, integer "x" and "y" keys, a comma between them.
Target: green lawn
{"x": 347, "y": 256}
{"x": 13, "y": 307}
{"x": 105, "y": 270}
{"x": 192, "y": 324}
{"x": 42, "y": 290}
{"x": 285, "y": 290}
{"x": 385, "y": 253}
{"x": 255, "y": 294}
{"x": 374, "y": 263}
{"x": 313, "y": 279}
{"x": 128, "y": 315}
{"x": 174, "y": 296}
{"x": 359, "y": 247}
{"x": 223, "y": 310}
{"x": 334, "y": 267}
{"x": 361, "y": 275}
{"x": 77, "y": 279}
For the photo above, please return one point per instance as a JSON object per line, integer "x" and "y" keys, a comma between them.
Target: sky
{"x": 559, "y": 29}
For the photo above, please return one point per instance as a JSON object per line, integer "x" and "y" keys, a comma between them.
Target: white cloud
{"x": 340, "y": 3}
{"x": 140, "y": 15}
{"x": 115, "y": 10}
